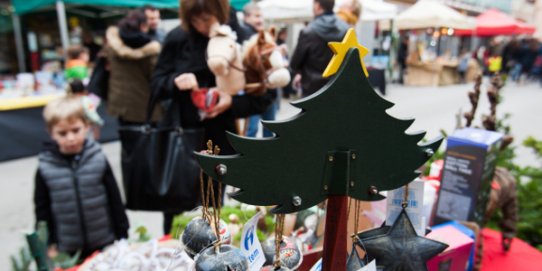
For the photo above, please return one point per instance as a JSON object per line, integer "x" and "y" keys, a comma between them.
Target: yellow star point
{"x": 340, "y": 49}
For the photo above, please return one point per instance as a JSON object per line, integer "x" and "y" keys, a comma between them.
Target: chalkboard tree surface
{"x": 342, "y": 144}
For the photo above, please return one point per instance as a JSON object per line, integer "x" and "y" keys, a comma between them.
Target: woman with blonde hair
{"x": 349, "y": 11}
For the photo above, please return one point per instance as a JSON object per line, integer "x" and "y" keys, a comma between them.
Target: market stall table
{"x": 438, "y": 73}
{"x": 23, "y": 131}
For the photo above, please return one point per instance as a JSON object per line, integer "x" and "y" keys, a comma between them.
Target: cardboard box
{"x": 456, "y": 256}
{"x": 469, "y": 165}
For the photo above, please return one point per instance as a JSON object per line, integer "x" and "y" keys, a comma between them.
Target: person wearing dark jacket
{"x": 253, "y": 20}
{"x": 131, "y": 55}
{"x": 182, "y": 68}
{"x": 75, "y": 190}
{"x": 312, "y": 53}
{"x": 253, "y": 23}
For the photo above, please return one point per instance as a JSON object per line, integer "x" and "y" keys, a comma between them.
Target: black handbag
{"x": 99, "y": 80}
{"x": 160, "y": 172}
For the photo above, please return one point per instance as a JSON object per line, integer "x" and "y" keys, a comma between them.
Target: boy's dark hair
{"x": 132, "y": 21}
{"x": 77, "y": 87}
{"x": 193, "y": 8}
{"x": 327, "y": 5}
{"x": 75, "y": 51}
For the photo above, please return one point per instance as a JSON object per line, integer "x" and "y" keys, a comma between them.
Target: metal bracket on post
{"x": 339, "y": 173}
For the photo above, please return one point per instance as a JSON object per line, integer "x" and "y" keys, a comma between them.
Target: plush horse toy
{"x": 224, "y": 59}
{"x": 260, "y": 67}
{"x": 264, "y": 65}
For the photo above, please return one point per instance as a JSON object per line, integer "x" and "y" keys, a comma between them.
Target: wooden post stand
{"x": 335, "y": 252}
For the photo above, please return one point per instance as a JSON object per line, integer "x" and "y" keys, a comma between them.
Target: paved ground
{"x": 433, "y": 108}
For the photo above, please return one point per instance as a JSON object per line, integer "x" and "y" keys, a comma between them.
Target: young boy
{"x": 75, "y": 191}
{"x": 77, "y": 64}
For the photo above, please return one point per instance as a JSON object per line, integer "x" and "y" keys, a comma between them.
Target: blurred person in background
{"x": 182, "y": 69}
{"x": 349, "y": 11}
{"x": 253, "y": 23}
{"x": 402, "y": 56}
{"x": 153, "y": 21}
{"x": 93, "y": 47}
{"x": 131, "y": 56}
{"x": 253, "y": 20}
{"x": 77, "y": 64}
{"x": 312, "y": 54}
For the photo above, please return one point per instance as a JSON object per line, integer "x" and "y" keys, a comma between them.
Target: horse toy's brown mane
{"x": 256, "y": 60}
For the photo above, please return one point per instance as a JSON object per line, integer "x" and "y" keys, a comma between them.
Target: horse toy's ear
{"x": 273, "y": 32}
{"x": 261, "y": 38}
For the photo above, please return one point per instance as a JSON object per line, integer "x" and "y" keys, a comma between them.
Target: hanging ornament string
{"x": 357, "y": 216}
{"x": 348, "y": 210}
{"x": 216, "y": 200}
{"x": 279, "y": 230}
{"x": 404, "y": 204}
{"x": 210, "y": 198}
{"x": 206, "y": 214}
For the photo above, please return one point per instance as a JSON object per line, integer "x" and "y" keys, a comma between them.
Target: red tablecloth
{"x": 521, "y": 256}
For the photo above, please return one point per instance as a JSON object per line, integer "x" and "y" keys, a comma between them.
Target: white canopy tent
{"x": 430, "y": 13}
{"x": 376, "y": 10}
{"x": 301, "y": 10}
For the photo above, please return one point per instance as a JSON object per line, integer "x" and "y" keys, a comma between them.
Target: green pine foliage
{"x": 22, "y": 261}
{"x": 38, "y": 240}
{"x": 530, "y": 198}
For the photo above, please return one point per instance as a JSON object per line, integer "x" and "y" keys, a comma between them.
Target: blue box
{"x": 469, "y": 165}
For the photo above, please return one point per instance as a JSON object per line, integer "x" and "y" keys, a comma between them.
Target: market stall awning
{"x": 494, "y": 22}
{"x": 375, "y": 10}
{"x": 27, "y": 6}
{"x": 301, "y": 10}
{"x": 428, "y": 13}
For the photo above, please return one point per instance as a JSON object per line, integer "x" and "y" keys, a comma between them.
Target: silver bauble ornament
{"x": 199, "y": 234}
{"x": 228, "y": 258}
{"x": 290, "y": 254}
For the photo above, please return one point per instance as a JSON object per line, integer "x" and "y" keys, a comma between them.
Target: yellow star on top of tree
{"x": 340, "y": 49}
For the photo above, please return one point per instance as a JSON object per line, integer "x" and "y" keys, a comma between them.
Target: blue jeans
{"x": 515, "y": 73}
{"x": 254, "y": 121}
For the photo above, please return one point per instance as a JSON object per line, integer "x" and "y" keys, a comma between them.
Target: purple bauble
{"x": 228, "y": 258}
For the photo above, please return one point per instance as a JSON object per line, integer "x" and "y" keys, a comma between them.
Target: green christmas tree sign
{"x": 343, "y": 143}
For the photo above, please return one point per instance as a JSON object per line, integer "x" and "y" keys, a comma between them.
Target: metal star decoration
{"x": 399, "y": 248}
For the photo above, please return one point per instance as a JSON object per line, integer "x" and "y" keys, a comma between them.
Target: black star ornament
{"x": 399, "y": 248}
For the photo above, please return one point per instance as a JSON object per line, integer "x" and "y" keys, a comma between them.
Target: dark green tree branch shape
{"x": 346, "y": 118}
